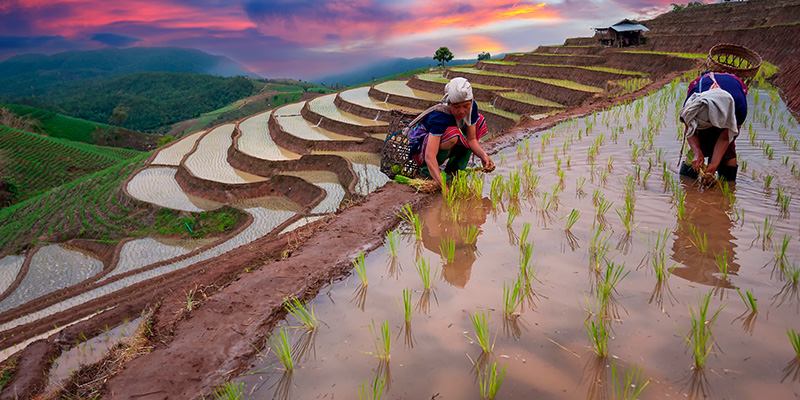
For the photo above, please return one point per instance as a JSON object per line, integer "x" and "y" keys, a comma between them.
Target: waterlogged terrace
{"x": 209, "y": 161}
{"x": 157, "y": 185}
{"x": 400, "y": 88}
{"x": 324, "y": 106}
{"x": 173, "y": 154}
{"x": 360, "y": 96}
{"x": 256, "y": 141}
{"x": 556, "y": 82}
{"x": 293, "y": 123}
{"x": 588, "y": 68}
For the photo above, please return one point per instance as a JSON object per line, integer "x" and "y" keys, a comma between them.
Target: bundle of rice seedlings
{"x": 422, "y": 185}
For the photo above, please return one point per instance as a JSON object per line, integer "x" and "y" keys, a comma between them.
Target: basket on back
{"x": 395, "y": 154}
{"x": 734, "y": 59}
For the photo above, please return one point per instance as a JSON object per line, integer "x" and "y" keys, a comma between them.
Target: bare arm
{"x": 431, "y": 149}
{"x": 694, "y": 146}
{"x": 475, "y": 146}
{"x": 720, "y": 147}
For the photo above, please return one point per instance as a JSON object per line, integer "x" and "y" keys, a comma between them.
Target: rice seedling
{"x": 526, "y": 230}
{"x": 722, "y": 263}
{"x": 413, "y": 220}
{"x": 780, "y": 251}
{"x": 447, "y": 248}
{"x": 497, "y": 190}
{"x": 768, "y": 181}
{"x": 627, "y": 386}
{"x": 424, "y": 269}
{"x": 572, "y": 218}
{"x": 392, "y": 242}
{"x": 512, "y": 295}
{"x": 725, "y": 188}
{"x": 599, "y": 333}
{"x": 306, "y": 316}
{"x": 513, "y": 212}
{"x": 525, "y": 254}
{"x": 792, "y": 273}
{"x": 609, "y": 281}
{"x": 361, "y": 268}
{"x": 794, "y": 339}
{"x": 489, "y": 381}
{"x": 783, "y": 203}
{"x": 626, "y": 215}
{"x": 229, "y": 391}
{"x": 514, "y": 186}
{"x": 480, "y": 324}
{"x": 598, "y": 248}
{"x": 700, "y": 240}
{"x": 373, "y": 391}
{"x": 743, "y": 164}
{"x": 680, "y": 203}
{"x": 602, "y": 207}
{"x": 699, "y": 337}
{"x": 748, "y": 300}
{"x": 407, "y": 304}
{"x": 659, "y": 263}
{"x": 469, "y": 234}
{"x": 382, "y": 340}
{"x": 279, "y": 343}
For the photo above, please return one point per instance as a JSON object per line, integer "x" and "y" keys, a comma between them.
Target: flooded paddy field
{"x": 612, "y": 255}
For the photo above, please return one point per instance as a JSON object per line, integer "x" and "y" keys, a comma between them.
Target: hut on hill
{"x": 622, "y": 34}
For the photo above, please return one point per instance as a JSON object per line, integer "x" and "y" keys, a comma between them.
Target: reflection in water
{"x": 748, "y": 319}
{"x": 596, "y": 378}
{"x": 789, "y": 294}
{"x": 792, "y": 370}
{"x": 305, "y": 346}
{"x": 697, "y": 385}
{"x": 360, "y": 296}
{"x": 707, "y": 213}
{"x": 439, "y": 225}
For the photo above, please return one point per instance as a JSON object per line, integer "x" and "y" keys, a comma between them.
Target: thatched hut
{"x": 622, "y": 34}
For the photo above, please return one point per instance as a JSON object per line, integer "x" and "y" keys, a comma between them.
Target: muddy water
{"x": 546, "y": 350}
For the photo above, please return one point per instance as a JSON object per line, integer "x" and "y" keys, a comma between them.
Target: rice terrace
{"x": 263, "y": 253}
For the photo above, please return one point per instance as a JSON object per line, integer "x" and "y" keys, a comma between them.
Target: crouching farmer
{"x": 713, "y": 112}
{"x": 448, "y": 133}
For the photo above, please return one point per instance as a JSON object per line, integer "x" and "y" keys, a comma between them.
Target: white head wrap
{"x": 457, "y": 90}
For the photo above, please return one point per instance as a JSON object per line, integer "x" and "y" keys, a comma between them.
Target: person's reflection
{"x": 707, "y": 212}
{"x": 439, "y": 224}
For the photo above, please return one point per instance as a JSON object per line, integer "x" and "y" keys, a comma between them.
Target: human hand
{"x": 697, "y": 162}
{"x": 488, "y": 164}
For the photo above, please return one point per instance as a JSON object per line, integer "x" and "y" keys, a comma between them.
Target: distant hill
{"x": 31, "y": 164}
{"x": 80, "y": 130}
{"x": 383, "y": 68}
{"x": 36, "y": 74}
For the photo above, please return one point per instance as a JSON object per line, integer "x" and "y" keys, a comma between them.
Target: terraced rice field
{"x": 324, "y": 106}
{"x": 9, "y": 269}
{"x": 588, "y": 68}
{"x": 360, "y": 96}
{"x": 53, "y": 267}
{"x": 265, "y": 221}
{"x": 173, "y": 154}
{"x": 327, "y": 181}
{"x": 400, "y": 88}
{"x": 530, "y": 99}
{"x": 210, "y": 160}
{"x": 486, "y": 107}
{"x": 139, "y": 253}
{"x": 157, "y": 185}
{"x": 293, "y": 123}
{"x": 556, "y": 82}
{"x": 256, "y": 141}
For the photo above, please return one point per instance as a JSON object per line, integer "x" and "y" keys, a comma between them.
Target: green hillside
{"x": 80, "y": 130}
{"x": 35, "y": 163}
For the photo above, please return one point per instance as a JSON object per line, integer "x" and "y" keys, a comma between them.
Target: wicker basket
{"x": 734, "y": 59}
{"x": 394, "y": 156}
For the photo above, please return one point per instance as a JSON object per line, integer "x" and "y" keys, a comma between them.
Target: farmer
{"x": 714, "y": 110}
{"x": 450, "y": 133}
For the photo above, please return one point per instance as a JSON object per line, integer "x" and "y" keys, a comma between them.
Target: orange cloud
{"x": 478, "y": 43}
{"x": 437, "y": 15}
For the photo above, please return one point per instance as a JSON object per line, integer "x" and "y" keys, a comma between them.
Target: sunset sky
{"x": 307, "y": 38}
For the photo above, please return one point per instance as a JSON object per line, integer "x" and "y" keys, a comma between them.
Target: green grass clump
{"x": 382, "y": 340}
{"x": 229, "y": 391}
{"x": 279, "y": 343}
{"x": 480, "y": 323}
{"x": 361, "y": 268}
{"x": 306, "y": 316}
{"x": 374, "y": 391}
{"x": 489, "y": 381}
{"x": 794, "y": 339}
{"x": 629, "y": 384}
{"x": 699, "y": 337}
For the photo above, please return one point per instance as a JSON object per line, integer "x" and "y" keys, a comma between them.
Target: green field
{"x": 36, "y": 163}
{"x": 95, "y": 207}
{"x": 57, "y": 125}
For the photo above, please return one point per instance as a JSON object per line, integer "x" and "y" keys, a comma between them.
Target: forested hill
{"x": 146, "y": 100}
{"x": 36, "y": 74}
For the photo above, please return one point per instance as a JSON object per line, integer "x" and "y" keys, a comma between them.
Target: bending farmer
{"x": 714, "y": 110}
{"x": 449, "y": 133}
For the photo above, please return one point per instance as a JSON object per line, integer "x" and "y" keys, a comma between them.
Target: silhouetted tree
{"x": 443, "y": 55}
{"x": 484, "y": 56}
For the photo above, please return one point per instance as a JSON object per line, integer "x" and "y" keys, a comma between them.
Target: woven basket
{"x": 734, "y": 59}
{"x": 394, "y": 156}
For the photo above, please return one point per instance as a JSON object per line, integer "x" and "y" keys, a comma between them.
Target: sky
{"x": 304, "y": 39}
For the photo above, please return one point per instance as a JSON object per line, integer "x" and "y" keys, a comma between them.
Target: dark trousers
{"x": 723, "y": 171}
{"x": 457, "y": 158}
